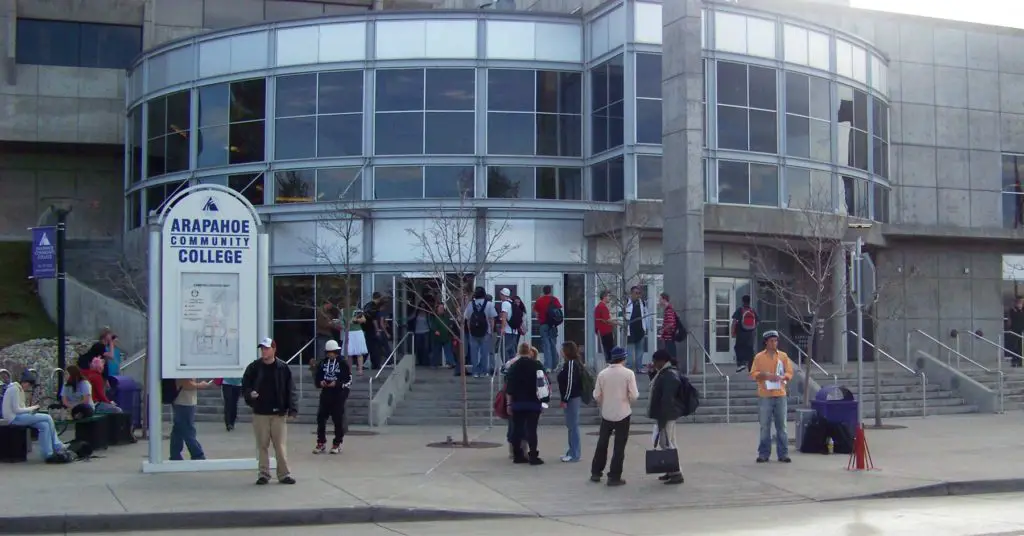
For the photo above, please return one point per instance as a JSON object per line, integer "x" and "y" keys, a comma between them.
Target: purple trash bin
{"x": 128, "y": 397}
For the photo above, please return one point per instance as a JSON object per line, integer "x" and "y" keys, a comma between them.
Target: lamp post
{"x": 62, "y": 346}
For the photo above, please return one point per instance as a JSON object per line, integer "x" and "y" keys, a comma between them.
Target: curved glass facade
{"x": 524, "y": 107}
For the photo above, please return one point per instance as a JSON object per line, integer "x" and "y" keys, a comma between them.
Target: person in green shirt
{"x": 441, "y": 339}
{"x": 356, "y": 341}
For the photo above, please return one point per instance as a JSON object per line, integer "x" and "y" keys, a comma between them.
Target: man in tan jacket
{"x": 772, "y": 370}
{"x": 615, "y": 391}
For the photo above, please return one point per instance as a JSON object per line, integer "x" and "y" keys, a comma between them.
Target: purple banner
{"x": 44, "y": 252}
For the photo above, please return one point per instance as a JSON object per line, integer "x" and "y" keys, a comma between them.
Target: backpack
{"x": 516, "y": 321}
{"x": 687, "y": 396}
{"x": 748, "y": 319}
{"x": 168, "y": 390}
{"x": 680, "y": 333}
{"x": 554, "y": 316}
{"x": 586, "y": 384}
{"x": 478, "y": 320}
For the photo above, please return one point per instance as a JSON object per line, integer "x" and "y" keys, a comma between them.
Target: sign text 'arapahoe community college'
{"x": 209, "y": 286}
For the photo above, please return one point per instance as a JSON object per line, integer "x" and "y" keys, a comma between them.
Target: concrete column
{"x": 838, "y": 325}
{"x": 682, "y": 179}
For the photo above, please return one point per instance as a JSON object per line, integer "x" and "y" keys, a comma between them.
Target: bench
{"x": 93, "y": 430}
{"x": 15, "y": 442}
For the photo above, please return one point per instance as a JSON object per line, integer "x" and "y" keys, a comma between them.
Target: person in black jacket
{"x": 527, "y": 393}
{"x": 334, "y": 378}
{"x": 268, "y": 388}
{"x": 665, "y": 406}
{"x": 570, "y": 385}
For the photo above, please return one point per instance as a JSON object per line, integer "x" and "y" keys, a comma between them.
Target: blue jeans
{"x": 478, "y": 351}
{"x": 48, "y": 441}
{"x": 510, "y": 340}
{"x": 572, "y": 422}
{"x": 772, "y": 410}
{"x": 548, "y": 336}
{"x": 436, "y": 351}
{"x": 183, "y": 433}
{"x": 636, "y": 353}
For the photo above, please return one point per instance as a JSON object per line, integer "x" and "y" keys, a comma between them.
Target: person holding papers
{"x": 772, "y": 370}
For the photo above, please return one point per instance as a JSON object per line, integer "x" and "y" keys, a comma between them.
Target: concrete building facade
{"x": 666, "y": 144}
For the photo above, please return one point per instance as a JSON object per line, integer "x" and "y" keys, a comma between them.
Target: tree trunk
{"x": 807, "y": 366}
{"x": 465, "y": 391}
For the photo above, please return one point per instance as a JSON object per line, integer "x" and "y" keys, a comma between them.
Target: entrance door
{"x": 536, "y": 286}
{"x": 721, "y": 304}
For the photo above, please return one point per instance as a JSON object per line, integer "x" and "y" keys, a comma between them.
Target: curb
{"x": 946, "y": 489}
{"x": 125, "y": 522}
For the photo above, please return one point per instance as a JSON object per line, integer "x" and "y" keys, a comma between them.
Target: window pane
{"x": 648, "y": 121}
{"x": 732, "y": 83}
{"x": 616, "y": 80}
{"x": 246, "y": 140}
{"x": 570, "y": 183}
{"x": 762, "y": 88}
{"x": 797, "y": 94}
{"x": 510, "y": 182}
{"x": 47, "y": 42}
{"x": 570, "y": 93}
{"x": 732, "y": 128}
{"x": 296, "y": 95}
{"x": 570, "y": 135}
{"x": 295, "y": 137}
{"x": 860, "y": 110}
{"x": 248, "y": 100}
{"x": 764, "y": 185}
{"x": 648, "y": 177}
{"x": 450, "y": 133}
{"x": 292, "y": 337}
{"x": 599, "y": 182}
{"x": 821, "y": 140}
{"x": 213, "y": 146}
{"x": 798, "y": 188}
{"x": 820, "y": 98}
{"x": 599, "y": 87}
{"x": 616, "y": 124}
{"x": 732, "y": 183}
{"x": 448, "y": 181}
{"x": 880, "y": 119}
{"x": 109, "y": 46}
{"x": 845, "y": 112}
{"x": 339, "y": 135}
{"x": 294, "y": 186}
{"x": 616, "y": 179}
{"x": 451, "y": 89}
{"x": 547, "y": 183}
{"x": 398, "y": 133}
{"x": 848, "y": 195}
{"x": 881, "y": 203}
{"x": 157, "y": 113}
{"x": 509, "y": 133}
{"x": 860, "y": 150}
{"x": 547, "y": 91}
{"x": 648, "y": 75}
{"x": 881, "y": 158}
{"x": 178, "y": 113}
{"x": 399, "y": 90}
{"x": 599, "y": 131}
{"x": 763, "y": 132}
{"x": 155, "y": 198}
{"x": 156, "y": 155}
{"x": 177, "y": 152}
{"x": 510, "y": 90}
{"x": 335, "y": 184}
{"x": 398, "y": 182}
{"x": 340, "y": 92}
{"x": 798, "y": 142}
{"x": 249, "y": 185}
{"x": 213, "y": 105}
{"x": 293, "y": 299}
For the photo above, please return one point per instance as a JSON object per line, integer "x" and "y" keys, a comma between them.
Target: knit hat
{"x": 618, "y": 354}
{"x": 771, "y": 334}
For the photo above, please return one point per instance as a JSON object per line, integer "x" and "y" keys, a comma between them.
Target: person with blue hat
{"x": 615, "y": 392}
{"x": 16, "y": 413}
{"x": 772, "y": 370}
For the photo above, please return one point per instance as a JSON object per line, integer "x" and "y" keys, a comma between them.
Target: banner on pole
{"x": 44, "y": 252}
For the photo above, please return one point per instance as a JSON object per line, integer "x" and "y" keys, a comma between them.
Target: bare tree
{"x": 127, "y": 277}
{"x": 457, "y": 257}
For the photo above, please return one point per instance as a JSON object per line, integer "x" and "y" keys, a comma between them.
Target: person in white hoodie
{"x": 16, "y": 413}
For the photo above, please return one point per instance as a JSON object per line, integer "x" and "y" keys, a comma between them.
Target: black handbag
{"x": 662, "y": 461}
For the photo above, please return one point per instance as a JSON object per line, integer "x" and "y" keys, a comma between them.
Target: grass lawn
{"x": 22, "y": 316}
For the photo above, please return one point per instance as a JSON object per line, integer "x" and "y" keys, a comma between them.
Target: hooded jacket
{"x": 333, "y": 370}
{"x": 665, "y": 405}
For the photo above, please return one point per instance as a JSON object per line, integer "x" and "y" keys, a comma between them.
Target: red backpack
{"x": 748, "y": 319}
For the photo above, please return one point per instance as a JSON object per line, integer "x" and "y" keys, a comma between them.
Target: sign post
{"x": 44, "y": 252}
{"x": 208, "y": 300}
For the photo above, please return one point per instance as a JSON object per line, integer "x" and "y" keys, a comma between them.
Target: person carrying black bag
{"x": 665, "y": 407}
{"x": 334, "y": 378}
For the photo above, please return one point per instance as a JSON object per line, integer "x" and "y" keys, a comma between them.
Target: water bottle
{"x": 829, "y": 445}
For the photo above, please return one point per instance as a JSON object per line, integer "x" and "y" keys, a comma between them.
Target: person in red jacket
{"x": 669, "y": 324}
{"x": 604, "y": 326}
{"x": 548, "y": 327}
{"x": 94, "y": 375}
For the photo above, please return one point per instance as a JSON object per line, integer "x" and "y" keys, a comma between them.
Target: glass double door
{"x": 529, "y": 288}
{"x": 724, "y": 295}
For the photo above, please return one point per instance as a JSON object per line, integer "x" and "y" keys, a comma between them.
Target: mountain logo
{"x": 210, "y": 206}
{"x": 44, "y": 242}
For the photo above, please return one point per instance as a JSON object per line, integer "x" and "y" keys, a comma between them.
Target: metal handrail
{"x": 1020, "y": 343}
{"x": 978, "y": 335}
{"x": 394, "y": 353}
{"x": 139, "y": 356}
{"x": 297, "y": 354}
{"x": 704, "y": 376}
{"x": 501, "y": 359}
{"x": 883, "y": 353}
{"x": 999, "y": 373}
{"x": 801, "y": 353}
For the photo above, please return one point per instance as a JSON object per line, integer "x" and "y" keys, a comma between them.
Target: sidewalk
{"x": 394, "y": 476}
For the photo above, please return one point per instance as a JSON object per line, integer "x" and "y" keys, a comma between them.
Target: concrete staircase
{"x": 900, "y": 392}
{"x": 1013, "y": 384}
{"x": 211, "y": 404}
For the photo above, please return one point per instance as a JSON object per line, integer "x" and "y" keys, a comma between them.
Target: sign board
{"x": 209, "y": 278}
{"x": 44, "y": 252}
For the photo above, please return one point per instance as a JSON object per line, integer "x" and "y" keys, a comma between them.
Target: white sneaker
{"x": 336, "y": 450}
{"x": 566, "y": 459}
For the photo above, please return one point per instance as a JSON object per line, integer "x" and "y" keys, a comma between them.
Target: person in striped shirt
{"x": 669, "y": 322}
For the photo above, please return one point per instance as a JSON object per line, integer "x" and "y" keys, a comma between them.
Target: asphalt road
{"x": 988, "y": 515}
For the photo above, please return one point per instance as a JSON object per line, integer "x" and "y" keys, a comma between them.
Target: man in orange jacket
{"x": 772, "y": 370}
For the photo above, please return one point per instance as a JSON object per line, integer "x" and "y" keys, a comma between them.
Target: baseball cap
{"x": 506, "y": 292}
{"x": 618, "y": 354}
{"x": 332, "y": 346}
{"x": 771, "y": 334}
{"x": 267, "y": 342}
{"x": 29, "y": 376}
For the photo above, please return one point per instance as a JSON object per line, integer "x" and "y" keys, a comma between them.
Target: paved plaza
{"x": 394, "y": 476}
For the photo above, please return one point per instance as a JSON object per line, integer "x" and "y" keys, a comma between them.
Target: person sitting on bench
{"x": 77, "y": 394}
{"x": 94, "y": 376}
{"x": 17, "y": 414}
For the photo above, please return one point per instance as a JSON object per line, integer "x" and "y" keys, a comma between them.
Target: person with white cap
{"x": 772, "y": 370}
{"x": 334, "y": 378}
{"x": 509, "y": 336}
{"x": 269, "y": 390}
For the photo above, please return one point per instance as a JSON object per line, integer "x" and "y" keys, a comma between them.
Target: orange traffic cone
{"x": 860, "y": 458}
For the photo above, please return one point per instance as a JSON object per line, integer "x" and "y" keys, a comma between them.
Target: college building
{"x": 663, "y": 143}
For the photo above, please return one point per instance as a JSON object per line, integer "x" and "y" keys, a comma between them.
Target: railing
{"x": 801, "y": 354}
{"x": 393, "y": 356}
{"x": 139, "y": 356}
{"x": 1020, "y": 342}
{"x": 999, "y": 364}
{"x": 294, "y": 357}
{"x": 959, "y": 355}
{"x": 1004, "y": 350}
{"x": 704, "y": 376}
{"x": 887, "y": 355}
